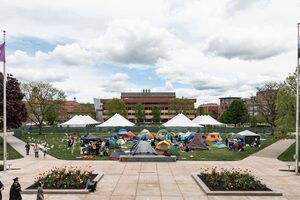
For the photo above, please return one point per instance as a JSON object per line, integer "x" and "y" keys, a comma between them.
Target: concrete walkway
{"x": 162, "y": 181}
{"x": 275, "y": 149}
{"x": 19, "y": 146}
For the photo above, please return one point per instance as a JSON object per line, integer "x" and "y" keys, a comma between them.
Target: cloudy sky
{"x": 202, "y": 49}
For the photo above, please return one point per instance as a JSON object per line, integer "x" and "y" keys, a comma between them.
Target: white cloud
{"x": 234, "y": 6}
{"x": 135, "y": 42}
{"x": 247, "y": 47}
{"x": 214, "y": 48}
{"x": 72, "y": 54}
{"x": 119, "y": 77}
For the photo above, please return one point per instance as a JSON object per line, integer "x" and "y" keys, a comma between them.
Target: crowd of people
{"x": 97, "y": 147}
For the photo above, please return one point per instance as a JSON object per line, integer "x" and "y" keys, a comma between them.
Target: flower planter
{"x": 30, "y": 190}
{"x": 235, "y": 181}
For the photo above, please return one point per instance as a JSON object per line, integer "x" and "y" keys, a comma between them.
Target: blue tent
{"x": 122, "y": 132}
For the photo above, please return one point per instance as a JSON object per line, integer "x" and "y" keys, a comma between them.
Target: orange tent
{"x": 213, "y": 137}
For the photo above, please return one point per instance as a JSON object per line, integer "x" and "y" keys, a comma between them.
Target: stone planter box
{"x": 64, "y": 191}
{"x": 147, "y": 158}
{"x": 207, "y": 191}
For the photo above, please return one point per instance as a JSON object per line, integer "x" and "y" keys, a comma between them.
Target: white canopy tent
{"x": 207, "y": 120}
{"x": 117, "y": 121}
{"x": 247, "y": 133}
{"x": 80, "y": 121}
{"x": 181, "y": 120}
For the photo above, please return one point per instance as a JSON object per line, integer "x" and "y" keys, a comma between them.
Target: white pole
{"x": 4, "y": 114}
{"x": 297, "y": 110}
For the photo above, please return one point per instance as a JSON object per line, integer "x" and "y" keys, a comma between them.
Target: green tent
{"x": 173, "y": 151}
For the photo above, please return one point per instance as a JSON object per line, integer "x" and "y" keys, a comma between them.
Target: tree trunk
{"x": 40, "y": 129}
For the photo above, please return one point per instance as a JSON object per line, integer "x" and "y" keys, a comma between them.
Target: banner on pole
{"x": 2, "y": 52}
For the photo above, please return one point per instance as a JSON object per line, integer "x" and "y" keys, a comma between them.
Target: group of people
{"x": 236, "y": 144}
{"x": 16, "y": 191}
{"x": 98, "y": 147}
{"x": 36, "y": 149}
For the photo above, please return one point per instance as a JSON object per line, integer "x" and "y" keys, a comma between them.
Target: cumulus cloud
{"x": 46, "y": 75}
{"x": 234, "y": 6}
{"x": 119, "y": 77}
{"x": 135, "y": 42}
{"x": 72, "y": 54}
{"x": 246, "y": 47}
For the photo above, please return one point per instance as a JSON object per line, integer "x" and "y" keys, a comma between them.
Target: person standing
{"x": 1, "y": 188}
{"x": 36, "y": 149}
{"x": 40, "y": 192}
{"x": 15, "y": 190}
{"x": 27, "y": 148}
{"x": 45, "y": 150}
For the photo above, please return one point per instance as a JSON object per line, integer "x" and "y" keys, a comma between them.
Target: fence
{"x": 136, "y": 129}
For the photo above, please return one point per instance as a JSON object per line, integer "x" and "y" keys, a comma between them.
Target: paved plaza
{"x": 157, "y": 180}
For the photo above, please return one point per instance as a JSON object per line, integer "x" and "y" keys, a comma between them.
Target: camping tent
{"x": 143, "y": 148}
{"x": 197, "y": 143}
{"x": 162, "y": 145}
{"x": 122, "y": 132}
{"x": 117, "y": 121}
{"x": 207, "y": 120}
{"x": 145, "y": 135}
{"x": 80, "y": 121}
{"x": 249, "y": 137}
{"x": 180, "y": 120}
{"x": 173, "y": 151}
{"x": 213, "y": 137}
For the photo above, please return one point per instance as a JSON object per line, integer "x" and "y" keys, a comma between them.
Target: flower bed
{"x": 231, "y": 180}
{"x": 64, "y": 178}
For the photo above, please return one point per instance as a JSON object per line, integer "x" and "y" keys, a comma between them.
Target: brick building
{"x": 148, "y": 100}
{"x": 211, "y": 108}
{"x": 225, "y": 103}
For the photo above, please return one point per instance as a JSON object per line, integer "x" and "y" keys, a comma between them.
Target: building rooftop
{"x": 230, "y": 98}
{"x": 148, "y": 94}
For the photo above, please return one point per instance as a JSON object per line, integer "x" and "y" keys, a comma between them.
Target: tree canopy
{"x": 185, "y": 106}
{"x": 286, "y": 105}
{"x": 237, "y": 113}
{"x": 139, "y": 112}
{"x": 40, "y": 98}
{"x": 16, "y": 109}
{"x": 156, "y": 114}
{"x": 114, "y": 106}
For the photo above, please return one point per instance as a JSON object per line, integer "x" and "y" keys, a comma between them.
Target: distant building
{"x": 211, "y": 108}
{"x": 148, "y": 100}
{"x": 68, "y": 110}
{"x": 261, "y": 97}
{"x": 225, "y": 103}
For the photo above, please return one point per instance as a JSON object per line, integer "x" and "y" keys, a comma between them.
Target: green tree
{"x": 15, "y": 107}
{"x": 114, "y": 106}
{"x": 286, "y": 105}
{"x": 237, "y": 113}
{"x": 140, "y": 112}
{"x": 200, "y": 111}
{"x": 53, "y": 113}
{"x": 224, "y": 117}
{"x": 185, "y": 106}
{"x": 40, "y": 98}
{"x": 156, "y": 113}
{"x": 85, "y": 109}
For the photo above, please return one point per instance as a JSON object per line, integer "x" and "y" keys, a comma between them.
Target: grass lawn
{"x": 61, "y": 151}
{"x": 12, "y": 153}
{"x": 288, "y": 154}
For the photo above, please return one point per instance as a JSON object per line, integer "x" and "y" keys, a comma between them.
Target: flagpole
{"x": 297, "y": 109}
{"x": 4, "y": 114}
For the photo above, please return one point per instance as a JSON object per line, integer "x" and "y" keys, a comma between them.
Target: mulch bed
{"x": 82, "y": 186}
{"x": 220, "y": 188}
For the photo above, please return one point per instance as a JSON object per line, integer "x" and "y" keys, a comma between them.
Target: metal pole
{"x": 4, "y": 114}
{"x": 297, "y": 110}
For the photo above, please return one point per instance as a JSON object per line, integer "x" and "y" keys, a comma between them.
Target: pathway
{"x": 275, "y": 149}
